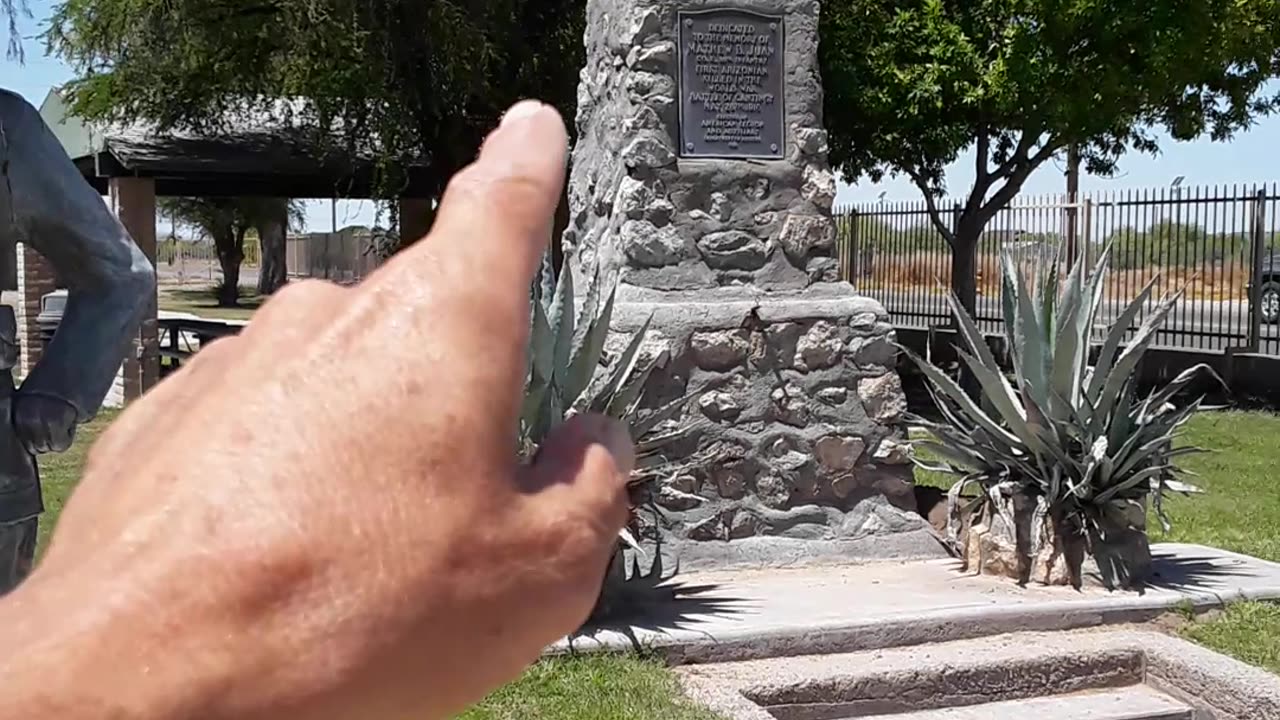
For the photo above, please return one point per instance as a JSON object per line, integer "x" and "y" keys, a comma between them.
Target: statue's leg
{"x": 17, "y": 552}
{"x": 20, "y": 498}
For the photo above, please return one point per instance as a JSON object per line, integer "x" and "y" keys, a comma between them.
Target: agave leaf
{"x": 1032, "y": 366}
{"x": 1115, "y": 338}
{"x": 1180, "y": 487}
{"x": 966, "y": 404}
{"x": 1006, "y": 405}
{"x": 623, "y": 370}
{"x": 1071, "y": 348}
{"x": 1178, "y": 384}
{"x": 645, "y": 425}
{"x": 974, "y": 338}
{"x": 1128, "y": 360}
{"x": 1130, "y": 483}
{"x": 560, "y": 318}
{"x": 587, "y": 356}
{"x": 627, "y": 401}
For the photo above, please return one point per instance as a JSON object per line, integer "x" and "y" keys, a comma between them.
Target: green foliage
{"x": 910, "y": 85}
{"x": 1070, "y": 435}
{"x": 569, "y": 373}
{"x": 12, "y": 10}
{"x": 399, "y": 80}
{"x": 1172, "y": 243}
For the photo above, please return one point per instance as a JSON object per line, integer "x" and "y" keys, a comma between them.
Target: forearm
{"x": 75, "y": 660}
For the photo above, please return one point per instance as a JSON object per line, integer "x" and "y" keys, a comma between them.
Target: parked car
{"x": 51, "y": 308}
{"x": 1269, "y": 299}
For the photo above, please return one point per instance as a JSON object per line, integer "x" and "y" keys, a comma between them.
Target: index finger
{"x": 496, "y": 215}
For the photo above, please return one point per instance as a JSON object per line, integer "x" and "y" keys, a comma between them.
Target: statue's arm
{"x": 108, "y": 278}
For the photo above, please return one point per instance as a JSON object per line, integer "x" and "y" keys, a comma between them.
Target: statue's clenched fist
{"x": 44, "y": 423}
{"x": 323, "y": 517}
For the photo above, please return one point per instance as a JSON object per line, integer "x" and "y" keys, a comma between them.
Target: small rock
{"x": 633, "y": 198}
{"x": 719, "y": 351}
{"x": 801, "y": 235}
{"x": 641, "y": 85}
{"x": 683, "y": 484}
{"x": 711, "y": 529}
{"x": 660, "y": 212}
{"x": 721, "y": 209}
{"x": 760, "y": 188}
{"x": 744, "y": 525}
{"x": 673, "y": 499}
{"x": 646, "y": 24}
{"x": 656, "y": 58}
{"x": 883, "y": 398}
{"x": 844, "y": 485}
{"x": 812, "y": 141}
{"x": 646, "y": 118}
{"x": 766, "y": 218}
{"x": 731, "y": 485}
{"x": 863, "y": 321}
{"x": 840, "y": 453}
{"x": 774, "y": 492}
{"x": 792, "y": 461}
{"x": 873, "y": 351}
{"x": 833, "y": 395}
{"x": 823, "y": 269}
{"x": 648, "y": 151}
{"x": 893, "y": 452}
{"x": 790, "y": 406}
{"x": 733, "y": 250}
{"x": 819, "y": 348}
{"x": 651, "y": 246}
{"x": 718, "y": 406}
{"x": 819, "y": 187}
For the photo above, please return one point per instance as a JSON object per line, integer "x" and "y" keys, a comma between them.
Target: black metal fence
{"x": 1216, "y": 244}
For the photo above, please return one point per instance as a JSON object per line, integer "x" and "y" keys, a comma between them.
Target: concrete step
{"x": 1137, "y": 702}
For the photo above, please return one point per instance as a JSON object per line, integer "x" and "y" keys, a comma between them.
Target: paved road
{"x": 1194, "y": 324}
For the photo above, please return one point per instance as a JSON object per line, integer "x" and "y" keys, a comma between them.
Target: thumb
{"x": 584, "y": 465}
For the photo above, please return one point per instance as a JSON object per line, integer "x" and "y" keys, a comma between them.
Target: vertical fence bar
{"x": 1255, "y": 283}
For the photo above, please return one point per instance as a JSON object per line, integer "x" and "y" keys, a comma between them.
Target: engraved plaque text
{"x": 731, "y": 84}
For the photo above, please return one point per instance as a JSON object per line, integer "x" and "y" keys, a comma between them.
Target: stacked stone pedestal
{"x": 795, "y": 450}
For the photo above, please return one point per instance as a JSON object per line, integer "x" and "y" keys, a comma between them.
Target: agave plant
{"x": 1066, "y": 440}
{"x": 570, "y": 373}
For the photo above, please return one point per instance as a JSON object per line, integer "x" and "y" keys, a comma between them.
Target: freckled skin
{"x": 332, "y": 523}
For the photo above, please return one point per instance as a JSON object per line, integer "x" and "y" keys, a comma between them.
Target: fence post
{"x": 1086, "y": 233}
{"x": 1255, "y": 283}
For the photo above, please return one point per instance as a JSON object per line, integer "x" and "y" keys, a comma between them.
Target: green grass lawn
{"x": 200, "y": 301}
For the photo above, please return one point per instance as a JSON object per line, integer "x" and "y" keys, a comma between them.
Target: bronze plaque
{"x": 731, "y": 92}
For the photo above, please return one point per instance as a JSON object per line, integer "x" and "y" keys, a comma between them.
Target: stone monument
{"x": 45, "y": 203}
{"x": 700, "y": 175}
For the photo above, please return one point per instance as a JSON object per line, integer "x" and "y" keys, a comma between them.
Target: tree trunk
{"x": 230, "y": 247}
{"x": 964, "y": 283}
{"x": 272, "y": 271}
{"x": 964, "y": 268}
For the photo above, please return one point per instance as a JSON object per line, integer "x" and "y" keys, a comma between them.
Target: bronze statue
{"x": 45, "y": 203}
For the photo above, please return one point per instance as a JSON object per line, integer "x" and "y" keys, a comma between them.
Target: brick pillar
{"x": 134, "y": 200}
{"x": 35, "y": 280}
{"x": 415, "y": 219}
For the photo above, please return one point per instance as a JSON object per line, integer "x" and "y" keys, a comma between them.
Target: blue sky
{"x": 1250, "y": 157}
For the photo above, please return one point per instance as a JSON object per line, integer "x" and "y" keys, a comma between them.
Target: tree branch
{"x": 934, "y": 214}
{"x": 1025, "y": 143}
{"x": 1017, "y": 176}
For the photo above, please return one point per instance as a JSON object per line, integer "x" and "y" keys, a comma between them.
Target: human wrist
{"x": 70, "y": 656}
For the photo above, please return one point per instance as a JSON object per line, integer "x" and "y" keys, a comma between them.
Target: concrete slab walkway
{"x": 825, "y": 610}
